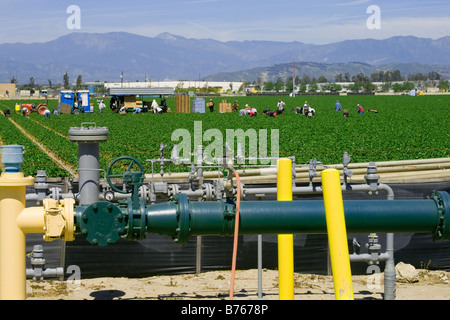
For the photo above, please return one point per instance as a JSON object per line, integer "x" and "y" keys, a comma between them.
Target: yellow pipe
{"x": 337, "y": 235}
{"x": 31, "y": 220}
{"x": 12, "y": 238}
{"x": 285, "y": 242}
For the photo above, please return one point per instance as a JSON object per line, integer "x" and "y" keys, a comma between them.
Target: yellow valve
{"x": 59, "y": 220}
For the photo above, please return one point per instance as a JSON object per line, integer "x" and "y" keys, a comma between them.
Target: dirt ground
{"x": 431, "y": 285}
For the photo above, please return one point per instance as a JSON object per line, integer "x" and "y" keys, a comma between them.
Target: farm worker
{"x": 47, "y": 113}
{"x": 159, "y": 110}
{"x": 360, "y": 109}
{"x": 123, "y": 110}
{"x": 311, "y": 112}
{"x": 137, "y": 110}
{"x": 338, "y": 106}
{"x": 164, "y": 104}
{"x": 346, "y": 113}
{"x": 101, "y": 105}
{"x": 306, "y": 107}
{"x": 154, "y": 105}
{"x": 280, "y": 106}
{"x": 252, "y": 112}
{"x": 113, "y": 103}
{"x": 7, "y": 113}
{"x": 211, "y": 105}
{"x": 235, "y": 106}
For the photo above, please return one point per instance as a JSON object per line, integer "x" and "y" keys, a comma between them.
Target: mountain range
{"x": 103, "y": 57}
{"x": 329, "y": 71}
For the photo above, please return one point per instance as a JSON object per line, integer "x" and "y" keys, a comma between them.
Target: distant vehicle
{"x": 74, "y": 103}
{"x": 31, "y": 107}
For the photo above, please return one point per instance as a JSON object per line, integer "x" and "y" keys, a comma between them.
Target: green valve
{"x": 102, "y": 223}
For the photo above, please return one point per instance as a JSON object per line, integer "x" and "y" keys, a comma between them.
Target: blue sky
{"x": 312, "y": 22}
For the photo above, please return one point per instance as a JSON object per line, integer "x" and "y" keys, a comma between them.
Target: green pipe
{"x": 103, "y": 223}
{"x": 182, "y": 218}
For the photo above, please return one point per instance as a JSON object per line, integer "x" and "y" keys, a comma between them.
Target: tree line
{"x": 391, "y": 80}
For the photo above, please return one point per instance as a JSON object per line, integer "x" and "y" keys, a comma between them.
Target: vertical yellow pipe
{"x": 285, "y": 242}
{"x": 337, "y": 235}
{"x": 12, "y": 238}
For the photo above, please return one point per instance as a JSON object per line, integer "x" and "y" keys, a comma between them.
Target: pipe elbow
{"x": 55, "y": 220}
{"x": 31, "y": 220}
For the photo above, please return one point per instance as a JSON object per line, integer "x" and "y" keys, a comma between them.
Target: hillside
{"x": 169, "y": 57}
{"x": 316, "y": 70}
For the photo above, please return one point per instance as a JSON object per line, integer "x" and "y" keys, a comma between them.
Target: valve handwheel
{"x": 132, "y": 180}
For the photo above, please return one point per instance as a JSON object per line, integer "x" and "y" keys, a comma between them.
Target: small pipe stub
{"x": 88, "y": 134}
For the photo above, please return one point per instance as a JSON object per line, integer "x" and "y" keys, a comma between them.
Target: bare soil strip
{"x": 215, "y": 285}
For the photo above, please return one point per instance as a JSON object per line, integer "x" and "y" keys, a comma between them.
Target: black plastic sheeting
{"x": 159, "y": 255}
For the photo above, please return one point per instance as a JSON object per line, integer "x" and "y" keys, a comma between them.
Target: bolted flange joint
{"x": 101, "y": 223}
{"x": 442, "y": 200}
{"x": 183, "y": 217}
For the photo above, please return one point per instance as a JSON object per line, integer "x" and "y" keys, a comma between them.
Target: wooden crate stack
{"x": 183, "y": 104}
{"x": 130, "y": 102}
{"x": 225, "y": 107}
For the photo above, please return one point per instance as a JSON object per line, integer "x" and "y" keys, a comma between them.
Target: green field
{"x": 404, "y": 128}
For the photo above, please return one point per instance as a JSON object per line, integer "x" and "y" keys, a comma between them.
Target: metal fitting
{"x": 442, "y": 200}
{"x": 101, "y": 223}
{"x": 183, "y": 217}
{"x": 59, "y": 219}
{"x": 38, "y": 271}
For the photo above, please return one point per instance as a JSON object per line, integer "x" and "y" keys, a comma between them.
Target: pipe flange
{"x": 69, "y": 217}
{"x": 173, "y": 190}
{"x": 136, "y": 221}
{"x": 59, "y": 219}
{"x": 91, "y": 134}
{"x": 183, "y": 217}
{"x": 442, "y": 200}
{"x": 101, "y": 223}
{"x": 208, "y": 192}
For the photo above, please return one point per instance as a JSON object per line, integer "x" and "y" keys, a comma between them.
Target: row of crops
{"x": 404, "y": 128}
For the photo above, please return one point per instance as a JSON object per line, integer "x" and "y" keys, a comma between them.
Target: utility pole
{"x": 293, "y": 83}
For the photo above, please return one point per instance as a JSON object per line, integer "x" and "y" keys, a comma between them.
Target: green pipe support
{"x": 182, "y": 218}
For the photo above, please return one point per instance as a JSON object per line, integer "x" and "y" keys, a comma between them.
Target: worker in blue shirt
{"x": 338, "y": 106}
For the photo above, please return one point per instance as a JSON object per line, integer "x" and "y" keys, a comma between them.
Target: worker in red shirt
{"x": 360, "y": 109}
